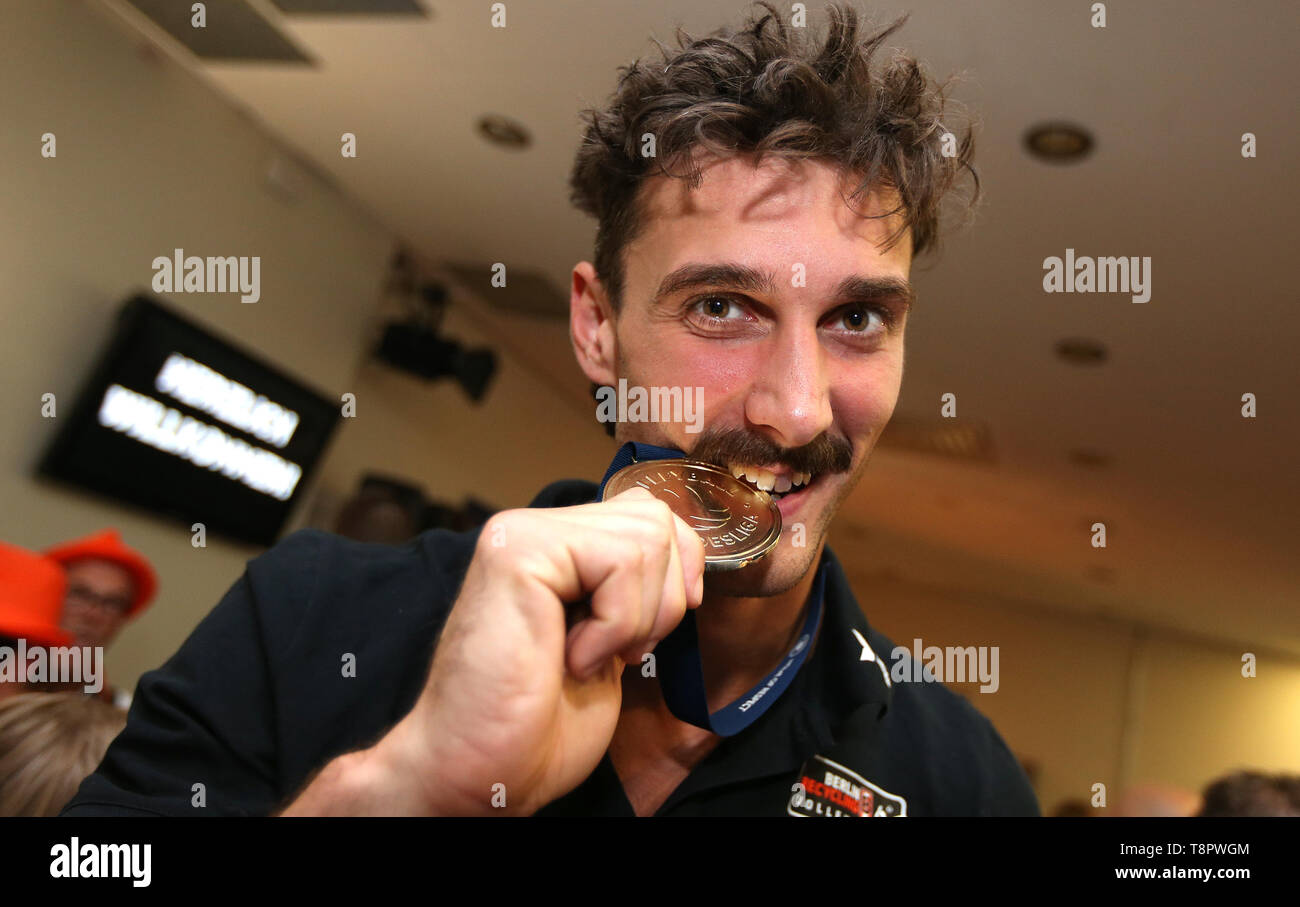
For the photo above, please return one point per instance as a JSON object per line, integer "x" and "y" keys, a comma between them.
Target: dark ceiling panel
{"x": 352, "y": 7}
{"x": 234, "y": 31}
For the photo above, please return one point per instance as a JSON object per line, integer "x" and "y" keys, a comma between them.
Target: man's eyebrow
{"x": 857, "y": 288}
{"x": 871, "y": 289}
{"x": 720, "y": 274}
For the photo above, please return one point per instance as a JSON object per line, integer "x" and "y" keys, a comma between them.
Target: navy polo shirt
{"x": 255, "y": 701}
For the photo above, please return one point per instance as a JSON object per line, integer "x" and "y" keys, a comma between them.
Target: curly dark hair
{"x": 1249, "y": 793}
{"x": 763, "y": 90}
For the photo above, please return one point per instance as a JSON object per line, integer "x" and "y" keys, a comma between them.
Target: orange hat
{"x": 107, "y": 545}
{"x": 31, "y": 597}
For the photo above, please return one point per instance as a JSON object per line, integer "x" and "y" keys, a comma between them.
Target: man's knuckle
{"x": 633, "y": 553}
{"x": 627, "y": 621}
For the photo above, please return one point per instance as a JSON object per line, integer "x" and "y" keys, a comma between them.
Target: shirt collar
{"x": 566, "y": 492}
{"x": 851, "y": 675}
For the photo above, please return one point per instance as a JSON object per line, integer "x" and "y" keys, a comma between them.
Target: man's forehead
{"x": 777, "y": 189}
{"x": 98, "y": 568}
{"x": 797, "y": 206}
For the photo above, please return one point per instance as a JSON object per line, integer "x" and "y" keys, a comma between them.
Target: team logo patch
{"x": 826, "y": 788}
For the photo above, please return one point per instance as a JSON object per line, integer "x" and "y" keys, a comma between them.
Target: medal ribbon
{"x": 681, "y": 673}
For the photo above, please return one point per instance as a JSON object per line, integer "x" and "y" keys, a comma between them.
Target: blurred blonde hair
{"x": 49, "y": 742}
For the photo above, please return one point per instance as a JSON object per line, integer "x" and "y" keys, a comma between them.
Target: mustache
{"x": 721, "y": 446}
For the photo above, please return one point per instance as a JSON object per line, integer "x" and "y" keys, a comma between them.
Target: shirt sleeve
{"x": 200, "y": 735}
{"x": 1008, "y": 791}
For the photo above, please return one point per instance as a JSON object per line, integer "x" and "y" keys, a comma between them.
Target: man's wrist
{"x": 399, "y": 776}
{"x": 362, "y": 783}
{"x": 393, "y": 777}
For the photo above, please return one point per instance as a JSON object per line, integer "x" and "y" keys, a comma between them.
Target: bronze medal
{"x": 737, "y": 523}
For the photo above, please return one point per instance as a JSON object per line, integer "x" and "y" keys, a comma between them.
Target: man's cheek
{"x": 855, "y": 422}
{"x": 726, "y": 392}
{"x": 863, "y": 405}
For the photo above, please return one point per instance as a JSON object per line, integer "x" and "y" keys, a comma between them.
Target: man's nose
{"x": 79, "y": 611}
{"x": 791, "y": 394}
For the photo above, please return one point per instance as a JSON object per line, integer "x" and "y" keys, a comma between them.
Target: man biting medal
{"x": 677, "y": 639}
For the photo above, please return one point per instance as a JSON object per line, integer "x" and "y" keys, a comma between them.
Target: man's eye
{"x": 716, "y": 307}
{"x": 858, "y": 319}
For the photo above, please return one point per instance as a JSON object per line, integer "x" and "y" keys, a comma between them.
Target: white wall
{"x": 148, "y": 160}
{"x": 1098, "y": 699}
{"x": 503, "y": 450}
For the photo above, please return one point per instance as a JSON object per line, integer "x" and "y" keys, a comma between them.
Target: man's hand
{"x": 514, "y": 698}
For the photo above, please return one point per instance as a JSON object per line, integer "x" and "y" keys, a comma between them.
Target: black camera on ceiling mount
{"x": 414, "y": 346}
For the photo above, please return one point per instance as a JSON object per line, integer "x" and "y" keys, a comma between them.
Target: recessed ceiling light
{"x": 503, "y": 131}
{"x": 964, "y": 440}
{"x": 1058, "y": 143}
{"x": 1081, "y": 351}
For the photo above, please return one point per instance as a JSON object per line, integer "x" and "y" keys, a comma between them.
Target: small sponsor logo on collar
{"x": 826, "y": 788}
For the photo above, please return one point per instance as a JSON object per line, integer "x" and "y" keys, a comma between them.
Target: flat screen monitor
{"x": 189, "y": 425}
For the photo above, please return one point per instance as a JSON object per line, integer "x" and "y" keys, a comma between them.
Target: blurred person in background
{"x": 1249, "y": 793}
{"x": 31, "y": 600}
{"x": 49, "y": 742}
{"x": 382, "y": 511}
{"x": 1073, "y": 808}
{"x": 108, "y": 585}
{"x": 1156, "y": 800}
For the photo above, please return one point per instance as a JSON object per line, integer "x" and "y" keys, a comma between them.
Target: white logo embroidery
{"x": 827, "y": 788}
{"x": 868, "y": 654}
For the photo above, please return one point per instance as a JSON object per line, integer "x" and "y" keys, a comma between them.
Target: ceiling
{"x": 1202, "y": 506}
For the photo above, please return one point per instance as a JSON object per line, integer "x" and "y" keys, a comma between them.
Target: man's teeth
{"x": 768, "y": 481}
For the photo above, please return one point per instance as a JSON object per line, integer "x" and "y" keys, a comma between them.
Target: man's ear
{"x": 591, "y": 325}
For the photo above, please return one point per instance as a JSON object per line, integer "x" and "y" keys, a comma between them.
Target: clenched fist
{"x": 515, "y": 696}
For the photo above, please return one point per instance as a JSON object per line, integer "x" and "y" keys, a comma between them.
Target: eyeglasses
{"x": 84, "y": 595}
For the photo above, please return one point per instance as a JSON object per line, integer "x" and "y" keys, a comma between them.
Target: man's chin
{"x": 775, "y": 574}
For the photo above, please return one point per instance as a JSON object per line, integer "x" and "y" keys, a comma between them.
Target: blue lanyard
{"x": 681, "y": 674}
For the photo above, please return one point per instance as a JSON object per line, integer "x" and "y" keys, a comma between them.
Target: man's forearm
{"x": 361, "y": 783}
